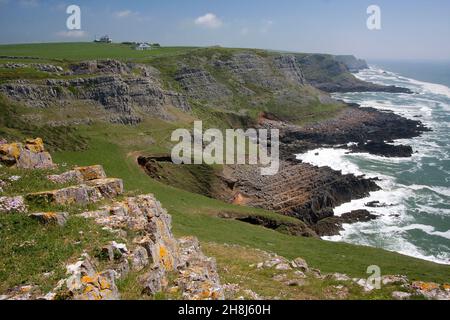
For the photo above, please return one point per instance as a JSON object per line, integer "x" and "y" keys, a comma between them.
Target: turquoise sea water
{"x": 416, "y": 190}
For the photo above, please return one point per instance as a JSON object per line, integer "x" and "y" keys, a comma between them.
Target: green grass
{"x": 85, "y": 51}
{"x": 237, "y": 265}
{"x": 28, "y": 249}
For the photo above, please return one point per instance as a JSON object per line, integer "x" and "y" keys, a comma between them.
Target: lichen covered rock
{"x": 80, "y": 194}
{"x": 51, "y": 218}
{"x": 28, "y": 155}
{"x": 85, "y": 283}
{"x": 91, "y": 172}
{"x": 198, "y": 279}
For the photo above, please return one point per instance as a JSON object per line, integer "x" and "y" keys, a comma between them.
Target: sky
{"x": 410, "y": 29}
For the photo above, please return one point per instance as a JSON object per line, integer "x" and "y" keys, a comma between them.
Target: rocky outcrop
{"x": 50, "y": 68}
{"x": 366, "y": 126}
{"x": 111, "y": 84}
{"x": 157, "y": 248}
{"x": 199, "y": 84}
{"x": 332, "y": 226}
{"x": 153, "y": 250}
{"x": 28, "y": 155}
{"x": 91, "y": 192}
{"x": 380, "y": 148}
{"x": 84, "y": 282}
{"x": 299, "y": 190}
{"x": 198, "y": 279}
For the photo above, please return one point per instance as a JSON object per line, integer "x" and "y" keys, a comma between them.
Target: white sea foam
{"x": 402, "y": 202}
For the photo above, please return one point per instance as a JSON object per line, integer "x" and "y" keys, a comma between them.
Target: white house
{"x": 104, "y": 39}
{"x": 143, "y": 46}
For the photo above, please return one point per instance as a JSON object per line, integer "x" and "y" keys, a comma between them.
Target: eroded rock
{"x": 85, "y": 283}
{"x": 28, "y": 155}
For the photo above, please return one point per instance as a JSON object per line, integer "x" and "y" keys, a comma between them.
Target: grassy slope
{"x": 113, "y": 147}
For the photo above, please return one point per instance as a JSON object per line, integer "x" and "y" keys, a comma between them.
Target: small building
{"x": 104, "y": 39}
{"x": 143, "y": 47}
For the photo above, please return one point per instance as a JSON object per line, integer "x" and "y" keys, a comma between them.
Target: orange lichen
{"x": 89, "y": 288}
{"x": 425, "y": 286}
{"x": 88, "y": 279}
{"x": 35, "y": 145}
{"x": 50, "y": 215}
{"x": 165, "y": 258}
{"x": 11, "y": 150}
{"x": 104, "y": 284}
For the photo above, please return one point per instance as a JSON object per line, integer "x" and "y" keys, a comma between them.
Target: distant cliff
{"x": 352, "y": 63}
{"x": 334, "y": 74}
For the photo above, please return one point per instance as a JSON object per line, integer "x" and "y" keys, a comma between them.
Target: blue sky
{"x": 413, "y": 29}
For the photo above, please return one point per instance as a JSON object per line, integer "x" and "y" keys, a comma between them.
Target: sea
{"x": 414, "y": 218}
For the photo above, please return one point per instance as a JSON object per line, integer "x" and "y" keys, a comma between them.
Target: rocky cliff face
{"x": 332, "y": 74}
{"x": 113, "y": 85}
{"x": 200, "y": 84}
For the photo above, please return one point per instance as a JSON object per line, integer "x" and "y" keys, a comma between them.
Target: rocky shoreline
{"x": 307, "y": 192}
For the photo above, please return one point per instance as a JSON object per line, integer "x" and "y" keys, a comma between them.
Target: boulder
{"x": 32, "y": 160}
{"x": 301, "y": 264}
{"x": 91, "y": 172}
{"x": 13, "y": 205}
{"x": 282, "y": 267}
{"x": 51, "y": 218}
{"x": 30, "y": 155}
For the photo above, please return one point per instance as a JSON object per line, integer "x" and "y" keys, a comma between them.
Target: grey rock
{"x": 300, "y": 263}
{"x": 398, "y": 295}
{"x": 139, "y": 258}
{"x": 51, "y": 218}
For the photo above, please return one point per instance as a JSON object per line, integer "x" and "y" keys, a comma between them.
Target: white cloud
{"x": 72, "y": 34}
{"x": 123, "y": 14}
{"x": 209, "y": 20}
